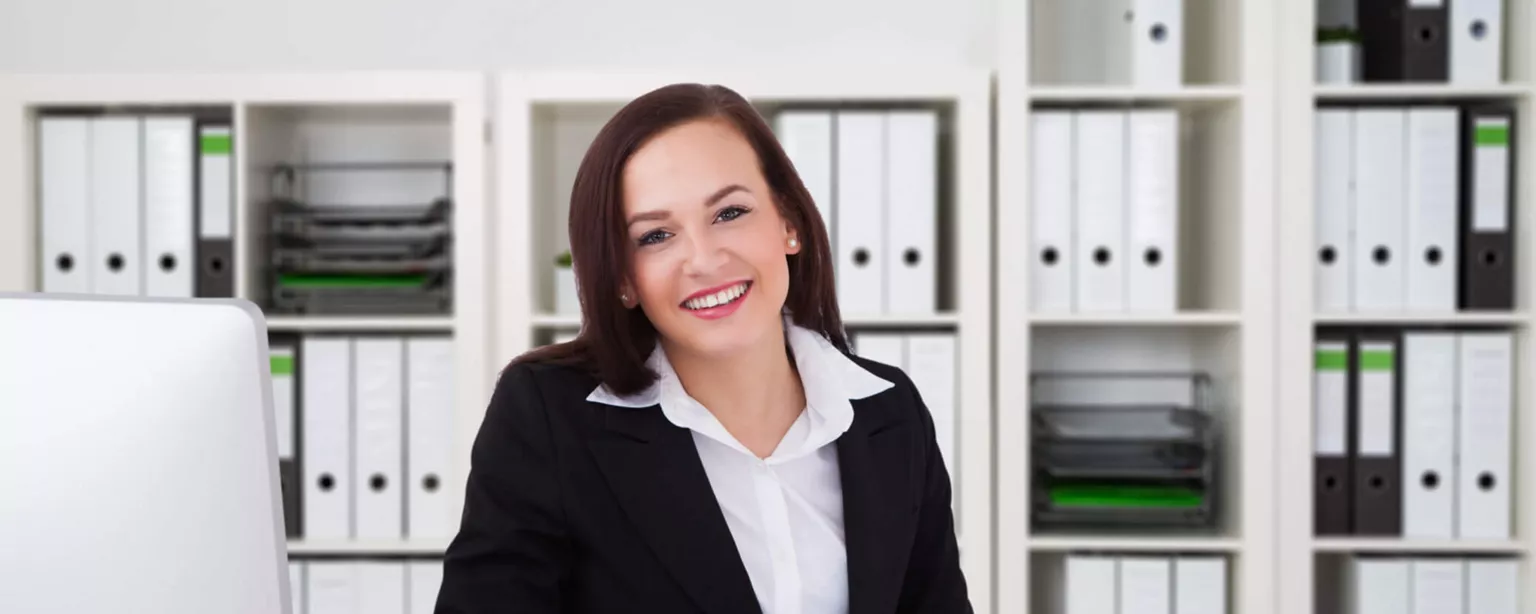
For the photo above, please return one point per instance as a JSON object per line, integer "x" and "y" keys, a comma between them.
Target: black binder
{"x": 1487, "y": 211}
{"x": 1332, "y": 494}
{"x": 1401, "y": 42}
{"x": 1378, "y": 491}
{"x": 215, "y": 255}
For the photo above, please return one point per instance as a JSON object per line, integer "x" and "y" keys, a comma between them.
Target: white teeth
{"x": 719, "y": 298}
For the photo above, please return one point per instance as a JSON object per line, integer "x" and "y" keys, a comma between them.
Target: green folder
{"x": 1125, "y": 496}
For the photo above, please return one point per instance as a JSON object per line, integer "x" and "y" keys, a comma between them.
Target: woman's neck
{"x": 756, "y": 395}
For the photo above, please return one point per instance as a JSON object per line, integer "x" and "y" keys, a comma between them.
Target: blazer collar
{"x": 653, "y": 468}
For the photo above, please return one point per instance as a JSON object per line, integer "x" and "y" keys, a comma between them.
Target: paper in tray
{"x": 1120, "y": 423}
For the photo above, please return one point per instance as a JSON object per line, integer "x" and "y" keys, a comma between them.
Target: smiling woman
{"x": 707, "y": 443}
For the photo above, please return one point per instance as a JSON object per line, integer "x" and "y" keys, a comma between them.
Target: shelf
{"x": 370, "y": 548}
{"x": 1202, "y": 94}
{"x": 1429, "y": 91}
{"x": 346, "y": 324}
{"x": 561, "y": 321}
{"x": 1195, "y": 318}
{"x": 1398, "y": 545}
{"x": 1134, "y": 544}
{"x": 1514, "y": 318}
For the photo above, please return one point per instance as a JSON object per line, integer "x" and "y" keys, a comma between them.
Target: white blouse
{"x": 785, "y": 512}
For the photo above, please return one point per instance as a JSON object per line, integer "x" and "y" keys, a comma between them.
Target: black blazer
{"x": 576, "y": 506}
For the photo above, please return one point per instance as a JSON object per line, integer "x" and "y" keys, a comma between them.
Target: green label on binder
{"x": 1496, "y": 134}
{"x": 1376, "y": 360}
{"x": 215, "y": 144}
{"x": 1330, "y": 360}
{"x": 282, "y": 365}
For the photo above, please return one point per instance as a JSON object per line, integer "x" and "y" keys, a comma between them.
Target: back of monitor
{"x": 137, "y": 458}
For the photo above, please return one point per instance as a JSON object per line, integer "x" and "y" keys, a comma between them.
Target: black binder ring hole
{"x": 1432, "y": 255}
{"x": 1479, "y": 29}
{"x": 1431, "y": 480}
{"x": 167, "y": 263}
{"x": 1331, "y": 483}
{"x": 65, "y": 262}
{"x": 1327, "y": 254}
{"x": 1101, "y": 256}
{"x": 861, "y": 256}
{"x": 216, "y": 265}
{"x": 1381, "y": 254}
{"x": 377, "y": 483}
{"x": 1159, "y": 32}
{"x": 911, "y": 257}
{"x": 1490, "y": 257}
{"x": 115, "y": 262}
{"x": 1050, "y": 256}
{"x": 430, "y": 483}
{"x": 1377, "y": 483}
{"x": 1485, "y": 481}
{"x": 1153, "y": 256}
{"x": 327, "y": 482}
{"x": 1426, "y": 35}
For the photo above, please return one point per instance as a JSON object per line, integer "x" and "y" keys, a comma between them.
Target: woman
{"x": 706, "y": 444}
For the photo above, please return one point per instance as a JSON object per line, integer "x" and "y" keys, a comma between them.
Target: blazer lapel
{"x": 654, "y": 470}
{"x": 876, "y": 461}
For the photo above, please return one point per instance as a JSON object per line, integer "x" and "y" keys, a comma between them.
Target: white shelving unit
{"x": 287, "y": 118}
{"x": 546, "y": 121}
{"x": 1309, "y": 565}
{"x": 1224, "y": 324}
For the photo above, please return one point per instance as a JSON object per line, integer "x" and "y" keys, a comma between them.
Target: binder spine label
{"x": 1376, "y": 399}
{"x": 1491, "y": 174}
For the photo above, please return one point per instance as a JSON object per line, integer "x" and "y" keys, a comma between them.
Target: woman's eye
{"x": 652, "y": 237}
{"x": 730, "y": 213}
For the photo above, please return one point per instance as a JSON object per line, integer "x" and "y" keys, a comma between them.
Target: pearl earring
{"x": 624, "y": 297}
{"x": 793, "y": 242}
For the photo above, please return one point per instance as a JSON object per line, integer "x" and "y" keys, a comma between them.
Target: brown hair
{"x": 615, "y": 342}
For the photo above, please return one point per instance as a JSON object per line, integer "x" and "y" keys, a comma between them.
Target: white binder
{"x": 1099, "y": 161}
{"x": 930, "y": 362}
{"x": 426, "y": 578}
{"x": 1199, "y": 585}
{"x": 381, "y": 587}
{"x": 1092, "y": 585}
{"x": 1429, "y": 434}
{"x": 379, "y": 363}
{"x": 1152, "y": 210}
{"x": 116, "y": 206}
{"x": 1493, "y": 586}
{"x": 1380, "y": 214}
{"x": 283, "y": 397}
{"x": 1433, "y": 208}
{"x": 1477, "y": 42}
{"x": 806, "y": 136}
{"x": 326, "y": 376}
{"x": 332, "y": 587}
{"x": 296, "y": 586}
{"x": 1439, "y": 586}
{"x": 1157, "y": 48}
{"x": 1146, "y": 585}
{"x": 1333, "y": 213}
{"x": 168, "y": 206}
{"x": 1377, "y": 586}
{"x": 429, "y": 452}
{"x": 64, "y": 174}
{"x": 1050, "y": 269}
{"x": 861, "y": 220}
{"x": 1486, "y": 395}
{"x": 884, "y": 348}
{"x": 911, "y": 212}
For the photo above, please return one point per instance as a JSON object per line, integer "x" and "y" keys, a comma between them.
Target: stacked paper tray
{"x": 1118, "y": 464}
{"x": 349, "y": 259}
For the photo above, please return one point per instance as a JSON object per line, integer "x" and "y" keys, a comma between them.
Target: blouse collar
{"x": 831, "y": 381}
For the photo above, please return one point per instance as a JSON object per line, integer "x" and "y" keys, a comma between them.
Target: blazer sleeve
{"x": 934, "y": 581}
{"x": 512, "y": 552}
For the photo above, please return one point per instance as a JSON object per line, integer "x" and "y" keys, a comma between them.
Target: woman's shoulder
{"x": 548, "y": 382}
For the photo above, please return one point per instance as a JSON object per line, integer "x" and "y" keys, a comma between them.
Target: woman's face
{"x": 708, "y": 244}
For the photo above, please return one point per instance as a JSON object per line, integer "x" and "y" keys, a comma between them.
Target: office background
{"x": 1267, "y": 349}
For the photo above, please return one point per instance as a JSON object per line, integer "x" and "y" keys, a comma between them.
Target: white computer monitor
{"x": 138, "y": 463}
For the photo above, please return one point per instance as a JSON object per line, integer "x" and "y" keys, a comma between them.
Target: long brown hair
{"x": 614, "y": 341}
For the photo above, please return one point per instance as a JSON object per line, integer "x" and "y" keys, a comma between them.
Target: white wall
{"x": 276, "y": 35}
